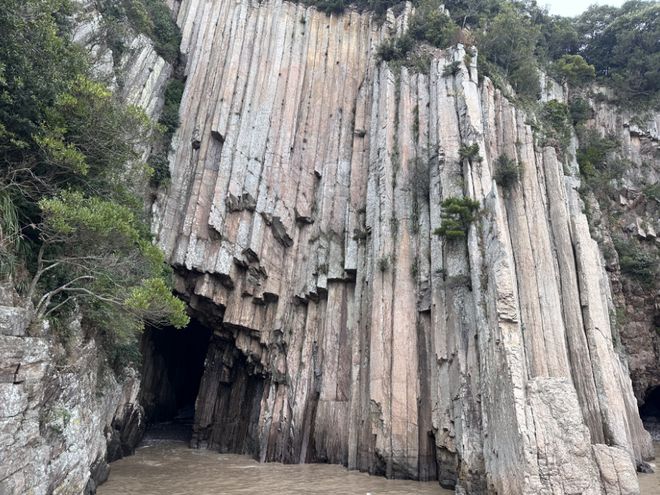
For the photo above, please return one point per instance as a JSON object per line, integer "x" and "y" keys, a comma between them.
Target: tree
{"x": 574, "y": 69}
{"x": 94, "y": 248}
{"x": 433, "y": 26}
{"x": 507, "y": 171}
{"x": 558, "y": 37}
{"x": 150, "y": 17}
{"x": 72, "y": 230}
{"x": 623, "y": 45}
{"x": 509, "y": 41}
{"x": 470, "y": 13}
{"x": 457, "y": 215}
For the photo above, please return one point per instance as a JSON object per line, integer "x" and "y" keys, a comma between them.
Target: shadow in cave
{"x": 650, "y": 412}
{"x": 172, "y": 368}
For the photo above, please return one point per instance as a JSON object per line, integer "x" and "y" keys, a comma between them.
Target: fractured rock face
{"x": 355, "y": 334}
{"x": 54, "y": 417}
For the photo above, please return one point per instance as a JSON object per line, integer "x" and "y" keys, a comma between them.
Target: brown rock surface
{"x": 307, "y": 181}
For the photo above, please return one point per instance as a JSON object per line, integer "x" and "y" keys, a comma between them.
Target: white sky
{"x": 574, "y": 7}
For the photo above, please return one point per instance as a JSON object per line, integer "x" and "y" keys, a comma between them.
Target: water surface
{"x": 649, "y": 484}
{"x": 171, "y": 467}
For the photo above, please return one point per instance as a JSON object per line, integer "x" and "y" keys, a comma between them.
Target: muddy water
{"x": 649, "y": 484}
{"x": 172, "y": 468}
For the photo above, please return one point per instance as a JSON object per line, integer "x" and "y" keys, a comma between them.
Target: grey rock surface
{"x": 488, "y": 363}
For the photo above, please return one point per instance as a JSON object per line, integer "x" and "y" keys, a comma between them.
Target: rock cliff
{"x": 307, "y": 182}
{"x": 631, "y": 212}
{"x": 63, "y": 414}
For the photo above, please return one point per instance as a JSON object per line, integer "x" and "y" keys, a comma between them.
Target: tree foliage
{"x": 507, "y": 171}
{"x": 457, "y": 216}
{"x": 574, "y": 69}
{"x": 517, "y": 38}
{"x": 429, "y": 25}
{"x": 637, "y": 263}
{"x": 624, "y": 46}
{"x": 594, "y": 153}
{"x": 72, "y": 219}
{"x": 556, "y": 126}
{"x": 469, "y": 152}
{"x": 508, "y": 42}
{"x": 150, "y": 17}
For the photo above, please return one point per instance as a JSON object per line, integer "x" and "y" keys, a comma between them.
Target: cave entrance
{"x": 172, "y": 369}
{"x": 650, "y": 411}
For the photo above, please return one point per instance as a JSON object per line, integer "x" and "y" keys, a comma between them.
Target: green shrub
{"x": 395, "y": 48}
{"x": 509, "y": 44}
{"x": 150, "y": 17}
{"x": 430, "y": 25}
{"x": 72, "y": 169}
{"x": 469, "y": 55}
{"x": 580, "y": 110}
{"x": 457, "y": 215}
{"x": 452, "y": 69}
{"x": 592, "y": 154}
{"x": 170, "y": 115}
{"x": 469, "y": 152}
{"x": 160, "y": 169}
{"x": 652, "y": 191}
{"x": 622, "y": 44}
{"x": 329, "y": 6}
{"x": 383, "y": 263}
{"x": 556, "y": 126}
{"x": 636, "y": 263}
{"x": 507, "y": 171}
{"x": 10, "y": 235}
{"x": 574, "y": 69}
{"x": 420, "y": 180}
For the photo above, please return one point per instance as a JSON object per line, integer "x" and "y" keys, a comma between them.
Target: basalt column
{"x": 307, "y": 182}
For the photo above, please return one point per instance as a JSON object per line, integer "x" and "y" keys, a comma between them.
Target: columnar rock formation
{"x": 307, "y": 181}
{"x": 638, "y": 215}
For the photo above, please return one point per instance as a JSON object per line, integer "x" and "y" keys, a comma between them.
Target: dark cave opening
{"x": 650, "y": 410}
{"x": 172, "y": 369}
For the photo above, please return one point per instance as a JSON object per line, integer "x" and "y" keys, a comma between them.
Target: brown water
{"x": 649, "y": 484}
{"x": 172, "y": 468}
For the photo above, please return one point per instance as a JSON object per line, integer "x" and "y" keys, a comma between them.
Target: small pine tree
{"x": 469, "y": 152}
{"x": 507, "y": 171}
{"x": 457, "y": 215}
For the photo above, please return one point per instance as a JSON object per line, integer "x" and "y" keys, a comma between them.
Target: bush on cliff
{"x": 150, "y": 17}
{"x": 75, "y": 239}
{"x": 635, "y": 262}
{"x": 507, "y": 171}
{"x": 457, "y": 216}
{"x": 429, "y": 25}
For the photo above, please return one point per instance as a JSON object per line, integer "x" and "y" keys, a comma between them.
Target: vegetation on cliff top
{"x": 150, "y": 17}
{"x": 618, "y": 45}
{"x": 73, "y": 232}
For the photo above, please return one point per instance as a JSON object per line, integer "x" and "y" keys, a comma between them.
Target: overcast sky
{"x": 574, "y": 7}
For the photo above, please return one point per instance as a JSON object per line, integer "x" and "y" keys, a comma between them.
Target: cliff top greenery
{"x": 619, "y": 46}
{"x": 73, "y": 233}
{"x": 74, "y": 236}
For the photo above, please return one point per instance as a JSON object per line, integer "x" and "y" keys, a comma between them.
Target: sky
{"x": 574, "y": 7}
